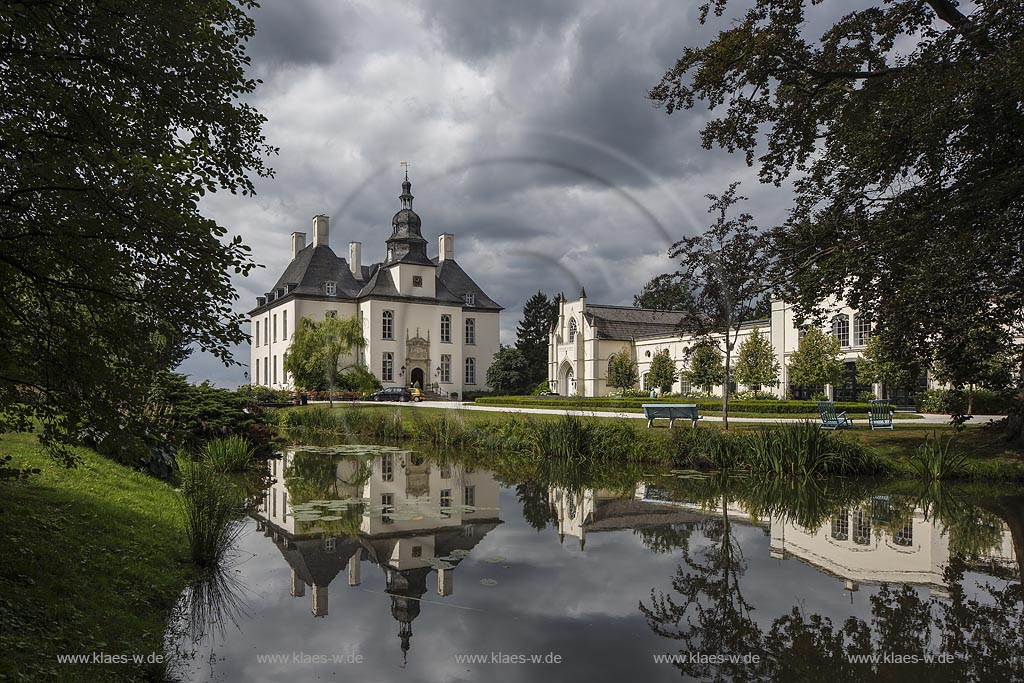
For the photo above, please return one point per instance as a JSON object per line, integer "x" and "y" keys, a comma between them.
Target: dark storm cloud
{"x": 299, "y": 33}
{"x": 487, "y": 28}
{"x": 528, "y": 130}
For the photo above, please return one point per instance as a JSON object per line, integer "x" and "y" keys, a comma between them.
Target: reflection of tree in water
{"x": 710, "y": 615}
{"x": 979, "y": 627}
{"x": 536, "y": 509}
{"x": 667, "y": 538}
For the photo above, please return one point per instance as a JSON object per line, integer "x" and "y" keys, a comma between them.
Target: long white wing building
{"x": 425, "y": 321}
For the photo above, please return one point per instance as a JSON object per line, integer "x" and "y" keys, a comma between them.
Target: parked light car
{"x": 402, "y": 394}
{"x": 417, "y": 394}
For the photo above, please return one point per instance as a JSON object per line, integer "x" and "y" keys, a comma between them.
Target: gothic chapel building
{"x": 425, "y": 321}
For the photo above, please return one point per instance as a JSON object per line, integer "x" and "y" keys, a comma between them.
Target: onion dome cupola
{"x": 406, "y": 244}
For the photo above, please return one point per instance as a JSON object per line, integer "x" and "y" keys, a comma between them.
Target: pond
{"x": 383, "y": 564}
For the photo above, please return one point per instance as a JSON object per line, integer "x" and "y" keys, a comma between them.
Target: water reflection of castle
{"x": 862, "y": 544}
{"x": 437, "y": 512}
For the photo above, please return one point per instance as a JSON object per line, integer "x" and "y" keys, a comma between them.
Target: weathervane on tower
{"x": 405, "y": 165}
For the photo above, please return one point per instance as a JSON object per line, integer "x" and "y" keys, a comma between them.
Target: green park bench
{"x": 671, "y": 412}
{"x": 879, "y": 414}
{"x": 829, "y": 419}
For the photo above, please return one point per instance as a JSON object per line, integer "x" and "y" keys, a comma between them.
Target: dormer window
{"x": 331, "y": 288}
{"x": 470, "y": 299}
{"x": 417, "y": 280}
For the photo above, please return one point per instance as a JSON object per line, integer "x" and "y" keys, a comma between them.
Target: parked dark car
{"x": 392, "y": 394}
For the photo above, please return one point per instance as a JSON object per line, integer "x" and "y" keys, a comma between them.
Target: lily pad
{"x": 497, "y": 559}
{"x": 488, "y": 582}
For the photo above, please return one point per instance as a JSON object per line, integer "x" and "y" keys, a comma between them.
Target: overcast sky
{"x": 527, "y": 131}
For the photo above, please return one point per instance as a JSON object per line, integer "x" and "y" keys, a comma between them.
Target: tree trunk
{"x": 725, "y": 388}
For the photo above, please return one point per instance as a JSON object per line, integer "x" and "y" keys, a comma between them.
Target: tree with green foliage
{"x": 729, "y": 260}
{"x": 662, "y": 374}
{"x": 901, "y": 127}
{"x": 756, "y": 364}
{"x": 816, "y": 361}
{"x": 705, "y": 368}
{"x": 878, "y": 364}
{"x": 114, "y": 121}
{"x": 664, "y": 293}
{"x": 509, "y": 372}
{"x": 319, "y": 350}
{"x": 622, "y": 371}
{"x": 539, "y": 314}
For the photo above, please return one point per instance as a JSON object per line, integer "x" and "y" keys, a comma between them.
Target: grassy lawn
{"x": 978, "y": 442}
{"x": 93, "y": 562}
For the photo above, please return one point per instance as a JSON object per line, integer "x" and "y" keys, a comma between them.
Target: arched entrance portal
{"x": 416, "y": 377}
{"x": 567, "y": 380}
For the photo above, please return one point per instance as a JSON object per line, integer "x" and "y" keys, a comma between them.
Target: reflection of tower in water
{"x": 437, "y": 513}
{"x": 406, "y": 588}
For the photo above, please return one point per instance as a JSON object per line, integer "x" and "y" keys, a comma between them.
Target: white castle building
{"x": 585, "y": 335}
{"x": 425, "y": 321}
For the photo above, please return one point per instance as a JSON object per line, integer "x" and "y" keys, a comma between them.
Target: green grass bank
{"x": 94, "y": 562}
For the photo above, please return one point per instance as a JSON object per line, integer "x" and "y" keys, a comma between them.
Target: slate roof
{"x": 313, "y": 266}
{"x": 622, "y": 323}
{"x": 625, "y": 322}
{"x": 456, "y": 281}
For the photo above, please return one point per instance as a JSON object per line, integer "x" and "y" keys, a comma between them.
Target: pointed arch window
{"x": 572, "y": 330}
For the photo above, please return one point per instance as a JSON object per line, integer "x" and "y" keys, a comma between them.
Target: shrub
{"x": 769, "y": 407}
{"x": 541, "y": 387}
{"x": 802, "y": 449}
{"x": 937, "y": 459}
{"x": 229, "y": 454}
{"x": 946, "y": 402}
{"x": 209, "y": 504}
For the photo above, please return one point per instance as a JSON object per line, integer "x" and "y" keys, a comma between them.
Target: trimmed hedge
{"x": 635, "y": 404}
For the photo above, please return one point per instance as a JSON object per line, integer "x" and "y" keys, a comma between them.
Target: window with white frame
{"x": 330, "y": 288}
{"x": 469, "y": 497}
{"x": 387, "y": 367}
{"x": 470, "y": 299}
{"x": 861, "y": 527}
{"x": 284, "y": 368}
{"x": 446, "y": 329}
{"x": 446, "y": 503}
{"x": 387, "y": 467}
{"x": 387, "y": 501}
{"x": 801, "y": 333}
{"x": 284, "y": 325}
{"x": 257, "y": 378}
{"x": 904, "y": 535}
{"x": 572, "y": 330}
{"x": 257, "y": 333}
{"x": 684, "y": 385}
{"x": 266, "y": 371}
{"x": 861, "y": 330}
{"x": 266, "y": 331}
{"x": 387, "y": 325}
{"x": 841, "y": 525}
{"x": 275, "y": 328}
{"x": 841, "y": 329}
{"x": 471, "y": 371}
{"x": 273, "y": 364}
{"x": 471, "y": 330}
{"x": 446, "y": 369}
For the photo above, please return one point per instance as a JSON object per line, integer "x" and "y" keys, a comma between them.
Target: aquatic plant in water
{"x": 937, "y": 459}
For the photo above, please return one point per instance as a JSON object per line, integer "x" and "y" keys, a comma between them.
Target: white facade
{"x": 424, "y": 320}
{"x": 585, "y": 336}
